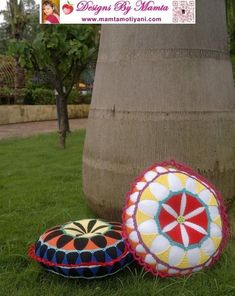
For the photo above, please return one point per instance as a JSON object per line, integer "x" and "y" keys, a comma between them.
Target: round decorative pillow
{"x": 174, "y": 220}
{"x": 86, "y": 248}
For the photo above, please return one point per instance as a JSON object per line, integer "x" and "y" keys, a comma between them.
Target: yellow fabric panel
{"x": 163, "y": 180}
{"x": 184, "y": 263}
{"x": 141, "y": 217}
{"x": 183, "y": 178}
{"x": 216, "y": 241}
{"x": 218, "y": 221}
{"x": 199, "y": 187}
{"x": 147, "y": 195}
{"x": 203, "y": 257}
{"x": 164, "y": 256}
{"x": 212, "y": 201}
{"x": 148, "y": 239}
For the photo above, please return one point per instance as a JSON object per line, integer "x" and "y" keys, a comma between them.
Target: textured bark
{"x": 19, "y": 75}
{"x": 161, "y": 92}
{"x": 63, "y": 120}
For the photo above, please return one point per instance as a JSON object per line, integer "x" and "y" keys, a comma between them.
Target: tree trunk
{"x": 67, "y": 118}
{"x": 63, "y": 120}
{"x": 58, "y": 100}
{"x": 161, "y": 92}
{"x": 19, "y": 78}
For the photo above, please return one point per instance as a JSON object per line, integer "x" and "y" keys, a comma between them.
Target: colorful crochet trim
{"x": 86, "y": 248}
{"x": 174, "y": 220}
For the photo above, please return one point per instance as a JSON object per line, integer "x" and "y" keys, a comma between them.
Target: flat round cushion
{"x": 87, "y": 248}
{"x": 174, "y": 220}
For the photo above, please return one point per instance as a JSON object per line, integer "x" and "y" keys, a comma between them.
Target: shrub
{"x": 86, "y": 99}
{"x": 11, "y": 95}
{"x": 6, "y": 92}
{"x": 20, "y": 94}
{"x": 74, "y": 97}
{"x": 43, "y": 96}
{"x": 38, "y": 96}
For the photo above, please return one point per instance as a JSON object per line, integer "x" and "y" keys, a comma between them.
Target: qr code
{"x": 183, "y": 11}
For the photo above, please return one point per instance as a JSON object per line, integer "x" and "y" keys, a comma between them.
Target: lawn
{"x": 41, "y": 186}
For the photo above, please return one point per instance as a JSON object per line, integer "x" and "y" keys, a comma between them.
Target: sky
{"x": 3, "y": 4}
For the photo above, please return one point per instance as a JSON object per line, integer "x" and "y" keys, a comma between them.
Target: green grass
{"x": 41, "y": 186}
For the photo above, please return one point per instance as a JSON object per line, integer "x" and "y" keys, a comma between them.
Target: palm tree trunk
{"x": 161, "y": 92}
{"x": 19, "y": 75}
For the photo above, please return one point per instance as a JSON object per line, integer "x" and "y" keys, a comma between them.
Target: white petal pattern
{"x": 215, "y": 230}
{"x": 195, "y": 227}
{"x": 205, "y": 195}
{"x": 169, "y": 210}
{"x": 174, "y": 183}
{"x": 140, "y": 185}
{"x": 130, "y": 210}
{"x": 140, "y": 249}
{"x": 170, "y": 226}
{"x": 149, "y": 259}
{"x": 161, "y": 267}
{"x": 213, "y": 211}
{"x": 194, "y": 213}
{"x": 184, "y": 235}
{"x": 134, "y": 237}
{"x": 161, "y": 170}
{"x": 148, "y": 207}
{"x": 159, "y": 245}
{"x": 149, "y": 176}
{"x": 176, "y": 255}
{"x": 148, "y": 227}
{"x": 159, "y": 191}
{"x": 191, "y": 185}
{"x": 134, "y": 196}
{"x": 208, "y": 247}
{"x": 193, "y": 256}
{"x": 130, "y": 223}
{"x": 183, "y": 204}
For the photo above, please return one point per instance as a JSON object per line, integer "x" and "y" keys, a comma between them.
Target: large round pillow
{"x": 174, "y": 220}
{"x": 88, "y": 248}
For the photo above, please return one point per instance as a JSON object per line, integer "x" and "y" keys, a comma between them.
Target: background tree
{"x": 20, "y": 21}
{"x": 16, "y": 20}
{"x": 61, "y": 54}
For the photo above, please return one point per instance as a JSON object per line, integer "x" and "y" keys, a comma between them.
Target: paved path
{"x": 34, "y": 128}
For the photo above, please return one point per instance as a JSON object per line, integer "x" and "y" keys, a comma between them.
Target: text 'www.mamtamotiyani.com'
{"x": 121, "y": 19}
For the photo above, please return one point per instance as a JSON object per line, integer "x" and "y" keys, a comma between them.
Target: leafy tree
{"x": 19, "y": 17}
{"x": 59, "y": 53}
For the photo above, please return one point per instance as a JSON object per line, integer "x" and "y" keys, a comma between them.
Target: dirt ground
{"x": 34, "y": 128}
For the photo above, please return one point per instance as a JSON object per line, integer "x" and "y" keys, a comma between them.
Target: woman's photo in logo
{"x": 50, "y": 12}
{"x": 67, "y": 8}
